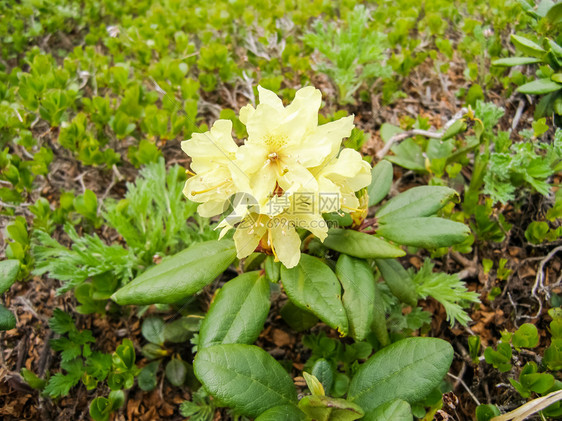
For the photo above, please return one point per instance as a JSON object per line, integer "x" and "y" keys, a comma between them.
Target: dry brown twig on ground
{"x": 418, "y": 132}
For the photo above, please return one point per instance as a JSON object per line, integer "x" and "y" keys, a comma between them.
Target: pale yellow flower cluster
{"x": 285, "y": 172}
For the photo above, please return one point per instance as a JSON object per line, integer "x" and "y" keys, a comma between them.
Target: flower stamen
{"x": 270, "y": 242}
{"x": 210, "y": 188}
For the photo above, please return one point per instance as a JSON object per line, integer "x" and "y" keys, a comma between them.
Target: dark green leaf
{"x": 176, "y": 332}
{"x": 100, "y": 409}
{"x": 282, "y": 413}
{"x": 69, "y": 350}
{"x": 298, "y": 319}
{"x": 324, "y": 372}
{"x": 176, "y": 372}
{"x": 358, "y": 281}
{"x": 8, "y": 274}
{"x": 254, "y": 261}
{"x": 359, "y": 244}
{"x": 238, "y": 312}
{"x": 147, "y": 377}
{"x": 398, "y": 280}
{"x": 486, "y": 412}
{"x": 117, "y": 399}
{"x": 416, "y": 202}
{"x": 500, "y": 358}
{"x": 272, "y": 269}
{"x": 32, "y": 379}
{"x": 312, "y": 286}
{"x": 98, "y": 365}
{"x": 124, "y": 356}
{"x": 153, "y": 330}
{"x": 395, "y": 410}
{"x": 119, "y": 381}
{"x": 379, "y": 321}
{"x": 341, "y": 384}
{"x": 60, "y": 384}
{"x": 244, "y": 377}
{"x": 408, "y": 369}
{"x": 61, "y": 322}
{"x": 7, "y": 319}
{"x": 431, "y": 232}
{"x": 526, "y": 46}
{"x": 179, "y": 276}
{"x": 515, "y": 61}
{"x": 538, "y": 382}
{"x": 527, "y": 336}
{"x": 381, "y": 181}
{"x": 553, "y": 355}
{"x": 539, "y": 87}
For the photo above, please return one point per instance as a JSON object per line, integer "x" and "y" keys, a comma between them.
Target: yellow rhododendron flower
{"x": 288, "y": 172}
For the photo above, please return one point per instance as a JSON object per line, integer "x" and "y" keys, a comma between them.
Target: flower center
{"x": 275, "y": 142}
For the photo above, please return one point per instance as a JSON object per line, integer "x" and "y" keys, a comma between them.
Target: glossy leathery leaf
{"x": 379, "y": 321}
{"x": 179, "y": 276}
{"x": 312, "y": 286}
{"x": 432, "y": 232}
{"x": 176, "y": 371}
{"x": 325, "y": 373}
{"x": 360, "y": 244}
{"x": 539, "y": 87}
{"x": 297, "y": 318}
{"x": 238, "y": 312}
{"x": 272, "y": 269}
{"x": 244, "y": 377}
{"x": 395, "y": 410}
{"x": 526, "y": 46}
{"x": 515, "y": 61}
{"x": 282, "y": 413}
{"x": 398, "y": 280}
{"x": 408, "y": 369}
{"x": 7, "y": 319}
{"x": 381, "y": 181}
{"x": 153, "y": 330}
{"x": 358, "y": 281}
{"x": 8, "y": 273}
{"x": 416, "y": 202}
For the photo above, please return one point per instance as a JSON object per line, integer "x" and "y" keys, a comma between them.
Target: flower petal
{"x": 214, "y": 185}
{"x": 286, "y": 243}
{"x": 312, "y": 222}
{"x": 349, "y": 168}
{"x": 270, "y": 98}
{"x": 327, "y": 136}
{"x": 263, "y": 124}
{"x": 210, "y": 148}
{"x": 248, "y": 235}
{"x": 246, "y": 112}
{"x": 301, "y": 116}
{"x": 212, "y": 208}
